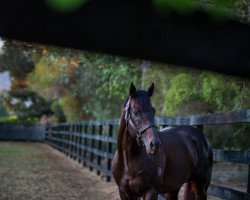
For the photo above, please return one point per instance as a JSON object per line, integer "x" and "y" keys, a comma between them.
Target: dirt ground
{"x": 37, "y": 171}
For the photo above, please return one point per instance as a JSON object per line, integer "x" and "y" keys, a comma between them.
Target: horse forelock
{"x": 143, "y": 101}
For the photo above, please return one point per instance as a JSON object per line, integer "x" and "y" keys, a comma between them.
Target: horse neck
{"x": 120, "y": 134}
{"x": 124, "y": 140}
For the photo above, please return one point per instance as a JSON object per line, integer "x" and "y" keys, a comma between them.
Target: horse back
{"x": 186, "y": 138}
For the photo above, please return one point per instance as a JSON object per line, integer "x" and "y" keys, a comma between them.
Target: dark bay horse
{"x": 148, "y": 162}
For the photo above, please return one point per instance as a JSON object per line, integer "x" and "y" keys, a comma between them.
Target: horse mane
{"x": 121, "y": 132}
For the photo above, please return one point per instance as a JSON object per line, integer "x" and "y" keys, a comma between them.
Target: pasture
{"x": 37, "y": 171}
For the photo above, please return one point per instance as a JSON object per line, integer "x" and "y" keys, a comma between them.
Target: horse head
{"x": 139, "y": 116}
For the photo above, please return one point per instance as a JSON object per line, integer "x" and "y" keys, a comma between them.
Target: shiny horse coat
{"x": 148, "y": 162}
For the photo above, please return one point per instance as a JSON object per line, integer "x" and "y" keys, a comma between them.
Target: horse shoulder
{"x": 117, "y": 168}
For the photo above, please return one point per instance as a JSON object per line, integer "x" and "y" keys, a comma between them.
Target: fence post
{"x": 57, "y": 142}
{"x": 68, "y": 139}
{"x": 110, "y": 134}
{"x": 248, "y": 181}
{"x": 64, "y": 138}
{"x": 92, "y": 145}
{"x": 99, "y": 158}
{"x": 77, "y": 141}
{"x": 71, "y": 140}
{"x": 80, "y": 143}
{"x": 53, "y": 135}
{"x": 60, "y": 136}
{"x": 200, "y": 127}
{"x": 85, "y": 145}
{"x": 74, "y": 141}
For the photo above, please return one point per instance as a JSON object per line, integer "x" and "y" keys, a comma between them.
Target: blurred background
{"x": 42, "y": 84}
{"x": 48, "y": 85}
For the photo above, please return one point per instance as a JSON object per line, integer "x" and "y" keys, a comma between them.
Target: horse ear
{"x": 151, "y": 90}
{"x": 132, "y": 90}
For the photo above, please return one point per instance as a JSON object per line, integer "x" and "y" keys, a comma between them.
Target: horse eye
{"x": 136, "y": 113}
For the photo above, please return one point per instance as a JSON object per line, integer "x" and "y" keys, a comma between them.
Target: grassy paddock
{"x": 36, "y": 171}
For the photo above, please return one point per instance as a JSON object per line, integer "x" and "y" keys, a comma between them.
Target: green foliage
{"x": 28, "y": 106}
{"x": 242, "y": 10}
{"x": 13, "y": 119}
{"x": 181, "y": 6}
{"x": 229, "y": 136}
{"x": 218, "y": 10}
{"x": 103, "y": 74}
{"x": 3, "y": 110}
{"x": 220, "y": 91}
{"x": 44, "y": 79}
{"x": 205, "y": 92}
{"x": 89, "y": 80}
{"x": 58, "y": 111}
{"x": 9, "y": 119}
{"x": 103, "y": 79}
{"x": 16, "y": 59}
{"x": 161, "y": 75}
{"x": 184, "y": 88}
{"x": 65, "y": 5}
{"x": 79, "y": 86}
{"x": 71, "y": 107}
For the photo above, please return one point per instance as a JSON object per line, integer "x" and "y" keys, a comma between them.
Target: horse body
{"x": 138, "y": 172}
{"x": 188, "y": 159}
{"x": 161, "y": 162}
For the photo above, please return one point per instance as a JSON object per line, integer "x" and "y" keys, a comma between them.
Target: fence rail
{"x": 92, "y": 143}
{"x": 22, "y": 132}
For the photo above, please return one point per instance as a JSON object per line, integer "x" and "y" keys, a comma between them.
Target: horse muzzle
{"x": 154, "y": 147}
{"x": 151, "y": 140}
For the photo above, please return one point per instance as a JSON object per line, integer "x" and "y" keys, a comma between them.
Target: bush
{"x": 58, "y": 111}
{"x": 9, "y": 119}
{"x": 15, "y": 120}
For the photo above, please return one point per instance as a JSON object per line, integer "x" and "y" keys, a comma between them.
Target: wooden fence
{"x": 22, "y": 132}
{"x": 93, "y": 143}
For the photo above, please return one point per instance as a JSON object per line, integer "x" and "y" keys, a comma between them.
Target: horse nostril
{"x": 152, "y": 145}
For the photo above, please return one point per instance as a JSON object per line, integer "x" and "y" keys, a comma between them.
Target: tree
{"x": 19, "y": 61}
{"x": 16, "y": 59}
{"x": 88, "y": 82}
{"x": 3, "y": 110}
{"x": 102, "y": 79}
{"x": 28, "y": 106}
